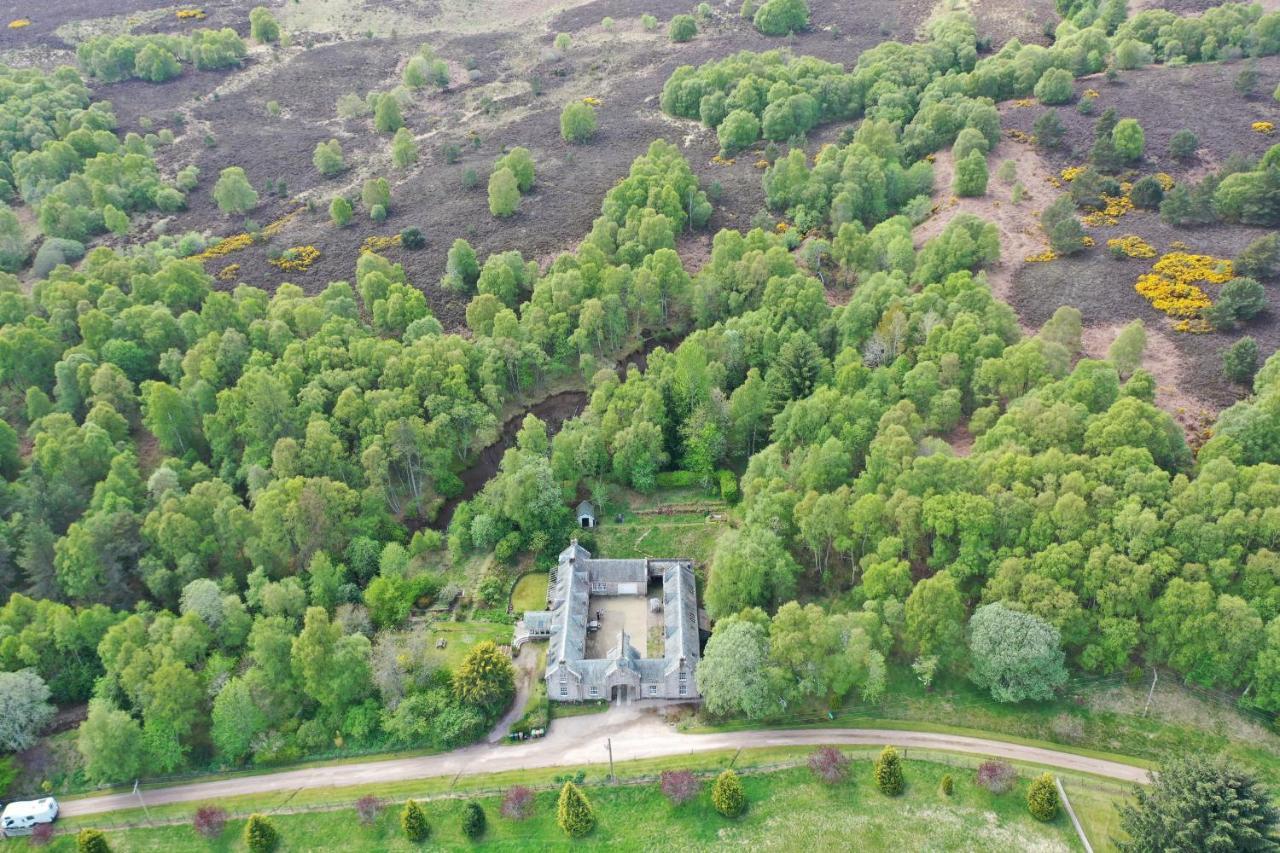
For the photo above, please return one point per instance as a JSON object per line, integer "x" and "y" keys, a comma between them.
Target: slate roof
{"x": 618, "y": 571}
{"x": 680, "y": 612}
{"x": 538, "y": 621}
{"x": 585, "y": 508}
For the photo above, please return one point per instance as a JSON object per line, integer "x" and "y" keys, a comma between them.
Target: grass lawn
{"x": 530, "y": 593}
{"x": 460, "y": 637}
{"x": 788, "y": 810}
{"x": 1095, "y": 805}
{"x": 680, "y": 535}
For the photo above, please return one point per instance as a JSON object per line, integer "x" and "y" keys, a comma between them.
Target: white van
{"x": 21, "y": 818}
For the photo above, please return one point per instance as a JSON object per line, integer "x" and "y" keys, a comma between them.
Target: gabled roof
{"x": 585, "y": 508}
{"x": 618, "y": 571}
{"x": 680, "y": 613}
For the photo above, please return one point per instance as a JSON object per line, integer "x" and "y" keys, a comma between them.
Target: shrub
{"x": 413, "y": 820}
{"x": 679, "y": 786}
{"x": 520, "y": 162}
{"x": 263, "y": 27}
{"x": 328, "y": 159}
{"x": 375, "y": 192}
{"x": 386, "y": 115}
{"x": 1042, "y": 798}
{"x": 1055, "y": 86}
{"x": 368, "y": 808}
{"x": 1007, "y": 172}
{"x": 1066, "y": 235}
{"x": 412, "y": 238}
{"x": 187, "y": 178}
{"x": 888, "y": 769}
{"x": 1240, "y": 299}
{"x": 156, "y": 64}
{"x": 470, "y": 179}
{"x": 948, "y": 785}
{"x": 562, "y": 41}
{"x": 829, "y": 765}
{"x": 969, "y": 139}
{"x": 1261, "y": 258}
{"x": 727, "y": 794}
{"x": 782, "y": 17}
{"x": 1128, "y": 139}
{"x": 504, "y": 193}
{"x": 738, "y": 129}
{"x": 574, "y": 814}
{"x": 210, "y": 821}
{"x": 578, "y": 122}
{"x": 971, "y": 176}
{"x": 607, "y": 24}
{"x": 473, "y": 820}
{"x": 404, "y": 148}
{"x": 41, "y": 835}
{"x": 649, "y": 22}
{"x": 1183, "y": 145}
{"x": 233, "y": 192}
{"x": 1247, "y": 80}
{"x": 259, "y": 835}
{"x": 54, "y": 251}
{"x": 996, "y": 776}
{"x": 517, "y": 803}
{"x": 1240, "y": 361}
{"x": 1147, "y": 193}
{"x": 340, "y": 211}
{"x": 1048, "y": 129}
{"x": 91, "y": 841}
{"x": 682, "y": 28}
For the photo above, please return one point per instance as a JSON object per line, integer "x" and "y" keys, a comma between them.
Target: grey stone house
{"x": 589, "y": 596}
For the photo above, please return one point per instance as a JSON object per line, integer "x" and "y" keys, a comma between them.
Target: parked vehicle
{"x": 20, "y": 818}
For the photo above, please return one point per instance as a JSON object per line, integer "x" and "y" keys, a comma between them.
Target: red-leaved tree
{"x": 996, "y": 776}
{"x": 367, "y": 808}
{"x": 679, "y": 786}
{"x": 210, "y": 821}
{"x": 518, "y": 803}
{"x": 829, "y": 764}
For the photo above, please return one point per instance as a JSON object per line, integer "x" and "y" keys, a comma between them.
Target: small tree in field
{"x": 263, "y": 27}
{"x": 233, "y": 192}
{"x": 1129, "y": 139}
{"x": 41, "y": 835}
{"x": 574, "y": 814}
{"x": 679, "y": 786}
{"x": 413, "y": 820}
{"x": 889, "y": 772}
{"x": 578, "y": 122}
{"x": 1042, "y": 798}
{"x": 1240, "y": 361}
{"x": 996, "y": 776}
{"x": 971, "y": 175}
{"x": 682, "y": 28}
{"x": 517, "y": 804}
{"x": 504, "y": 193}
{"x": 340, "y": 211}
{"x": 91, "y": 841}
{"x": 386, "y": 115}
{"x": 829, "y": 764}
{"x": 328, "y": 158}
{"x": 260, "y": 836}
{"x": 367, "y": 809}
{"x": 210, "y": 821}
{"x": 1183, "y": 145}
{"x": 727, "y": 794}
{"x": 948, "y": 785}
{"x": 473, "y": 820}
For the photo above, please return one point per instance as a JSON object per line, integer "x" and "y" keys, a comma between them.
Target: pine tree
{"x": 727, "y": 794}
{"x": 413, "y": 820}
{"x": 259, "y": 835}
{"x": 889, "y": 772}
{"x": 1042, "y": 798}
{"x": 948, "y": 785}
{"x": 573, "y": 812}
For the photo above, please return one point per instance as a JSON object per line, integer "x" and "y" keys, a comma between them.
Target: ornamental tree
{"x": 91, "y": 841}
{"x": 829, "y": 765}
{"x": 209, "y": 821}
{"x": 574, "y": 814}
{"x": 473, "y": 820}
{"x": 413, "y": 822}
{"x": 679, "y": 786}
{"x": 728, "y": 795}
{"x": 260, "y": 836}
{"x": 485, "y": 677}
{"x": 517, "y": 803}
{"x": 1016, "y": 655}
{"x": 888, "y": 770}
{"x": 1042, "y": 798}
{"x": 996, "y": 776}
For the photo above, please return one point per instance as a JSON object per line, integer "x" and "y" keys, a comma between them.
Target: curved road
{"x": 636, "y": 732}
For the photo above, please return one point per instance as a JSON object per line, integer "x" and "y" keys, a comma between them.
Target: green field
{"x": 788, "y": 810}
{"x": 530, "y": 593}
{"x": 459, "y": 637}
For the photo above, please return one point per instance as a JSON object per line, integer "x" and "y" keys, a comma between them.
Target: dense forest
{"x": 218, "y": 507}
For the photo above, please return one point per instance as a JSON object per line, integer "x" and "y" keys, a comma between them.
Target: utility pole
{"x": 608, "y": 744}
{"x": 137, "y": 792}
{"x": 1155, "y": 676}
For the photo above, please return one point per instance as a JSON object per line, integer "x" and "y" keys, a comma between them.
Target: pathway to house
{"x": 637, "y": 731}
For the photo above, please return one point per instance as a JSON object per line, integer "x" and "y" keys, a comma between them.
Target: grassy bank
{"x": 789, "y": 810}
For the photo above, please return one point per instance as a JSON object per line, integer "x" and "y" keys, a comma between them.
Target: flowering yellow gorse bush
{"x": 228, "y": 272}
{"x": 1090, "y": 93}
{"x": 225, "y": 246}
{"x": 1165, "y": 181}
{"x": 1115, "y": 207}
{"x": 722, "y": 161}
{"x": 1070, "y": 173}
{"x": 19, "y": 23}
{"x": 1265, "y": 127}
{"x": 1175, "y": 284}
{"x": 379, "y": 244}
{"x": 1042, "y": 258}
{"x": 278, "y": 225}
{"x": 592, "y": 102}
{"x": 1025, "y": 102}
{"x": 1132, "y": 245}
{"x": 190, "y": 14}
{"x": 297, "y": 259}
{"x": 1020, "y": 136}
